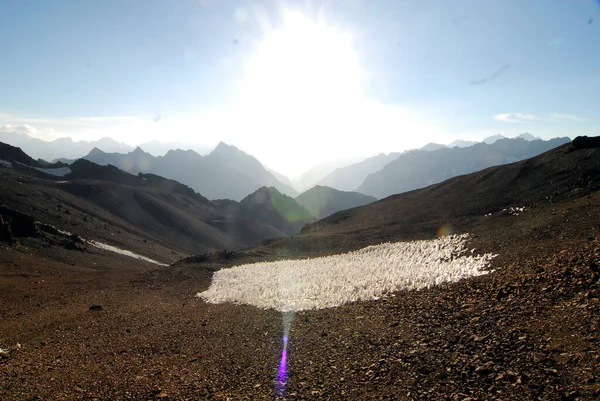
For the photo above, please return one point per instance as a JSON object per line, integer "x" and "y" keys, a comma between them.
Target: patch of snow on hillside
{"x": 365, "y": 274}
{"x": 59, "y": 172}
{"x": 125, "y": 252}
{"x": 4, "y": 163}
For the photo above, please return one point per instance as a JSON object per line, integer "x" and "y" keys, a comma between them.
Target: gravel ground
{"x": 529, "y": 330}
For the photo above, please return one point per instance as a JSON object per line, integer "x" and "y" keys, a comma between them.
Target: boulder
{"x": 5, "y": 231}
{"x": 22, "y": 225}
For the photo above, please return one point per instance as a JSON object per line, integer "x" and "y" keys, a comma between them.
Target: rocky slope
{"x": 147, "y": 214}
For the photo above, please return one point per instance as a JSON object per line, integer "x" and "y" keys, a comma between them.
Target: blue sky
{"x": 295, "y": 82}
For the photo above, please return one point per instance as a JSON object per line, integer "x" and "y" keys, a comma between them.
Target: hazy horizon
{"x": 293, "y": 83}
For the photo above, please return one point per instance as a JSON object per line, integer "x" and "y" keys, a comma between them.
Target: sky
{"x": 297, "y": 83}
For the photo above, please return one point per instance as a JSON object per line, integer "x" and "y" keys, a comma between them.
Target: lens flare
{"x": 445, "y": 230}
{"x": 282, "y": 371}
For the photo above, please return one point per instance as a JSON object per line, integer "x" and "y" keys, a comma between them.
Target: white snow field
{"x": 124, "y": 252}
{"x": 59, "y": 172}
{"x": 365, "y": 274}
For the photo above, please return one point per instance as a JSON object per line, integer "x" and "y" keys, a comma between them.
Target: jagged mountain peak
{"x": 527, "y": 136}
{"x": 139, "y": 151}
{"x": 96, "y": 151}
{"x": 223, "y": 147}
{"x": 491, "y": 139}
{"x": 188, "y": 154}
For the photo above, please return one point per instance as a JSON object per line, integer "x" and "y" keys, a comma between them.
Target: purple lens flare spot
{"x": 282, "y": 371}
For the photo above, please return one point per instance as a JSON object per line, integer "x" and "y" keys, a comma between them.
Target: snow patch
{"x": 365, "y": 274}
{"x": 4, "y": 163}
{"x": 58, "y": 172}
{"x": 125, "y": 252}
{"x": 515, "y": 211}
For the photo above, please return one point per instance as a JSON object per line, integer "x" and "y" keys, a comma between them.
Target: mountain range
{"x": 225, "y": 173}
{"x": 138, "y": 208}
{"x": 350, "y": 178}
{"x": 264, "y": 213}
{"x": 418, "y": 169}
{"x": 315, "y": 174}
{"x": 226, "y": 164}
{"x": 66, "y": 148}
{"x": 61, "y": 147}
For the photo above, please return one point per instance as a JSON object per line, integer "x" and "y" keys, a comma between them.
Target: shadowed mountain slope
{"x": 11, "y": 156}
{"x": 322, "y": 201}
{"x": 105, "y": 203}
{"x": 272, "y": 207}
{"x": 11, "y": 153}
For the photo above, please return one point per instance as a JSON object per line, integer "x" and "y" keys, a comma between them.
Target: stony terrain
{"x": 96, "y": 325}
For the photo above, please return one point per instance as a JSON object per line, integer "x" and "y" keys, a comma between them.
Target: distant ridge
{"x": 349, "y": 178}
{"x": 418, "y": 169}
{"x": 61, "y": 148}
{"x": 269, "y": 205}
{"x": 225, "y": 173}
{"x": 323, "y": 201}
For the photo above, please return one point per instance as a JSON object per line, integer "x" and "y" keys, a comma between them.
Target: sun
{"x": 303, "y": 63}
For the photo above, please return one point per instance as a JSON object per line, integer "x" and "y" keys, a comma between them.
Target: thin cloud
{"x": 80, "y": 122}
{"x": 40, "y": 133}
{"x": 564, "y": 116}
{"x": 515, "y": 117}
{"x": 525, "y": 117}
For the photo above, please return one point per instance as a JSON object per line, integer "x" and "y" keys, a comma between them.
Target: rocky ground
{"x": 529, "y": 330}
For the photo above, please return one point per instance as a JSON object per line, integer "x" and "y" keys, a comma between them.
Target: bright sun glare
{"x": 303, "y": 63}
{"x": 301, "y": 90}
